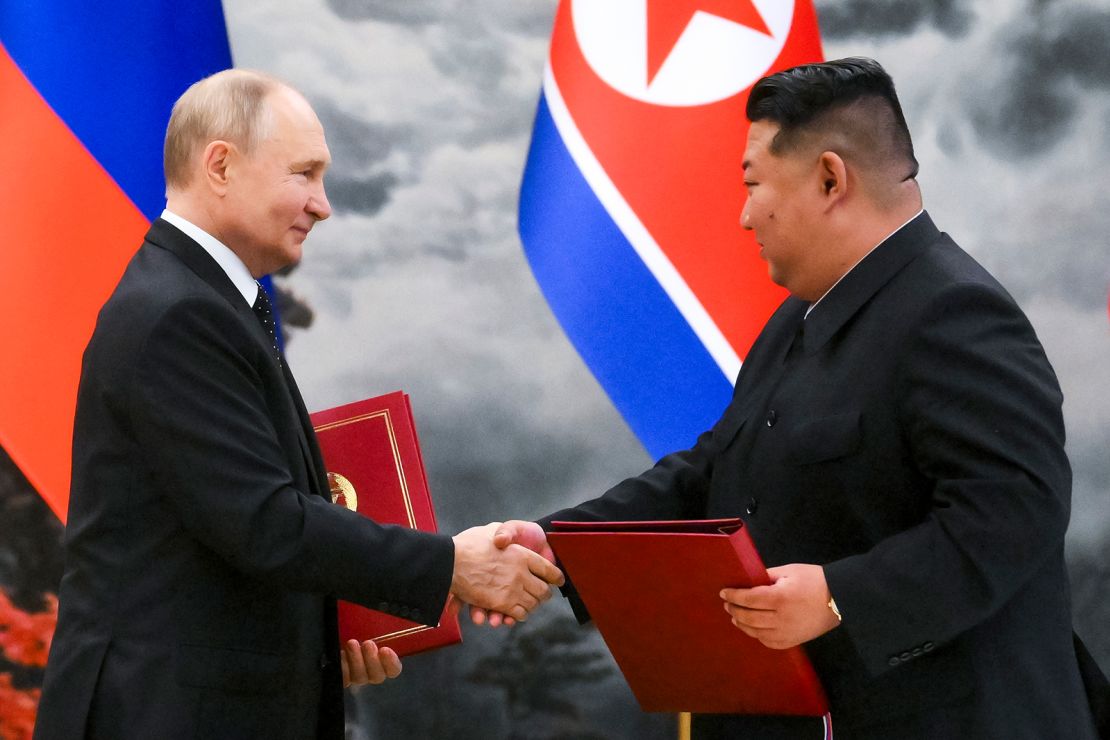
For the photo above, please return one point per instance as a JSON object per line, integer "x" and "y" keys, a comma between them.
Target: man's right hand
{"x": 512, "y": 581}
{"x": 513, "y": 532}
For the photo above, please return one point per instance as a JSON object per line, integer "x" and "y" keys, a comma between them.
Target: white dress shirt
{"x": 228, "y": 261}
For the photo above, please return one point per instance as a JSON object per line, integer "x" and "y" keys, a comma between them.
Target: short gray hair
{"x": 229, "y": 105}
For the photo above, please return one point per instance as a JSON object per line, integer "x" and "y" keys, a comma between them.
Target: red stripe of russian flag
{"x": 55, "y": 193}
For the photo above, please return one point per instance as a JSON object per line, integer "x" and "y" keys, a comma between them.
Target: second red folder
{"x": 652, "y": 589}
{"x": 375, "y": 468}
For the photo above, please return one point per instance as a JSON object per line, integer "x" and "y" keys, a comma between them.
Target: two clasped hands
{"x": 503, "y": 571}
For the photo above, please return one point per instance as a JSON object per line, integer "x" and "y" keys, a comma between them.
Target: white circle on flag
{"x": 714, "y": 58}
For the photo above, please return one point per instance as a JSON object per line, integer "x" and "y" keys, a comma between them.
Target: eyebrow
{"x": 310, "y": 164}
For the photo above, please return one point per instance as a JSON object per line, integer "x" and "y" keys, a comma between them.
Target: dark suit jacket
{"x": 908, "y": 436}
{"x": 202, "y": 553}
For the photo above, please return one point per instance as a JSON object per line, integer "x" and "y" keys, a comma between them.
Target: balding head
{"x": 245, "y": 162}
{"x": 230, "y": 106}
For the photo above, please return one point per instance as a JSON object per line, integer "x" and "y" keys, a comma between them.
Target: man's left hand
{"x": 792, "y": 610}
{"x": 367, "y": 663}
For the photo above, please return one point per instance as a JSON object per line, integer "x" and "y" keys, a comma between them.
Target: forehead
{"x": 760, "y": 136}
{"x": 296, "y": 129}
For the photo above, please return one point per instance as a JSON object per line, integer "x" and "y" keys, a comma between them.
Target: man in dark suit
{"x": 203, "y": 555}
{"x": 895, "y": 446}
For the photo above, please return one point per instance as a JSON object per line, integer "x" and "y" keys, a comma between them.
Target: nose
{"x": 745, "y": 216}
{"x": 318, "y": 204}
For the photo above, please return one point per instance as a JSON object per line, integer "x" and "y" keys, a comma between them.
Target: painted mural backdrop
{"x": 420, "y": 282}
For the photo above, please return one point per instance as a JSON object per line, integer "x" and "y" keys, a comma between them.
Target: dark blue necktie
{"x": 265, "y": 313}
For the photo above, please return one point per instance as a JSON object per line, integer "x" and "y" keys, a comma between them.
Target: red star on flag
{"x": 667, "y": 19}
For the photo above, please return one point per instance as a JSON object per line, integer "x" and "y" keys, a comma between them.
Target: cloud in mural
{"x": 1049, "y": 62}
{"x": 876, "y": 19}
{"x": 512, "y": 15}
{"x": 359, "y": 180}
{"x": 409, "y": 12}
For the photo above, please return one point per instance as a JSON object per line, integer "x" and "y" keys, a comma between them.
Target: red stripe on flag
{"x": 69, "y": 233}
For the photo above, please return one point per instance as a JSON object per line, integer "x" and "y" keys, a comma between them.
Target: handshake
{"x": 503, "y": 571}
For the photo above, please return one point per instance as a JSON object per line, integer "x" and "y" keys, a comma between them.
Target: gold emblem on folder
{"x": 342, "y": 492}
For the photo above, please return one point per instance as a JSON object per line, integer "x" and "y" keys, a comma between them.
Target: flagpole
{"x": 683, "y": 726}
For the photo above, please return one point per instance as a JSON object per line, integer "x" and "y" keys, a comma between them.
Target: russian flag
{"x": 85, "y": 92}
{"x": 631, "y": 199}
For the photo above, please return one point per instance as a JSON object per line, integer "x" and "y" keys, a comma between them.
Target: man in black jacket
{"x": 895, "y": 446}
{"x": 203, "y": 555}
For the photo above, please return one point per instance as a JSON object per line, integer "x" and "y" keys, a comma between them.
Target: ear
{"x": 217, "y": 163}
{"x": 833, "y": 173}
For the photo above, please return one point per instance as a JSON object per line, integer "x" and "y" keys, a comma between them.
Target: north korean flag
{"x": 632, "y": 193}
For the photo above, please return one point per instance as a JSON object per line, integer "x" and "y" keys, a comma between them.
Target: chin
{"x": 292, "y": 257}
{"x": 282, "y": 261}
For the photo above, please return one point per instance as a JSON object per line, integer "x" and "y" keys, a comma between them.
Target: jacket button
{"x": 918, "y": 652}
{"x": 383, "y": 606}
{"x": 403, "y": 611}
{"x": 414, "y": 615}
{"x": 752, "y": 505}
{"x": 906, "y": 656}
{"x": 325, "y": 661}
{"x": 927, "y": 647}
{"x": 771, "y": 418}
{"x": 893, "y": 660}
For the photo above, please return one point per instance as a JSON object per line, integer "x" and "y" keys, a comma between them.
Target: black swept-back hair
{"x": 854, "y": 97}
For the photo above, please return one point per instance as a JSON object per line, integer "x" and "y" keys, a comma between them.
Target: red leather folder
{"x": 652, "y": 589}
{"x": 375, "y": 468}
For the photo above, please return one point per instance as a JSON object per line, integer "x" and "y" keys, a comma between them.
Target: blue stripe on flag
{"x": 629, "y": 332}
{"x": 112, "y": 70}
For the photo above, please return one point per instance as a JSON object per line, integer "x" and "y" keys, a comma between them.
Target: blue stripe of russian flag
{"x": 112, "y": 70}
{"x": 631, "y": 335}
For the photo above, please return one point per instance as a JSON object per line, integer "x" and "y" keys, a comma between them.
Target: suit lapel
{"x": 165, "y": 235}
{"x": 309, "y": 448}
{"x": 857, "y": 287}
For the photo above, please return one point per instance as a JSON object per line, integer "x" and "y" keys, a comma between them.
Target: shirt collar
{"x": 228, "y": 261}
{"x": 861, "y": 259}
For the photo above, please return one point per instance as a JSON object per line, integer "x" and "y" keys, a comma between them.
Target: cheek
{"x": 286, "y": 206}
{"x": 763, "y": 206}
